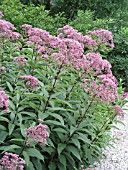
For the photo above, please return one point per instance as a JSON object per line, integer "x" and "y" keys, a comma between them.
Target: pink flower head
{"x": 12, "y": 161}
{"x": 103, "y": 37}
{"x": 1, "y": 14}
{"x": 20, "y": 61}
{"x": 32, "y": 82}
{"x": 4, "y": 101}
{"x": 26, "y": 27}
{"x": 90, "y": 43}
{"x": 37, "y": 134}
{"x": 103, "y": 88}
{"x": 118, "y": 110}
{"x": 16, "y": 35}
{"x": 97, "y": 64}
{"x": 6, "y": 29}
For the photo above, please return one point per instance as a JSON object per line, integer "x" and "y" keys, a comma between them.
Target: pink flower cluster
{"x": 87, "y": 41}
{"x": 97, "y": 64}
{"x": 32, "y": 82}
{"x": 4, "y": 101}
{"x": 104, "y": 88}
{"x": 37, "y": 134}
{"x": 26, "y": 27}
{"x": 6, "y": 29}
{"x": 104, "y": 37}
{"x": 119, "y": 112}
{"x": 67, "y": 47}
{"x": 20, "y": 61}
{"x": 11, "y": 161}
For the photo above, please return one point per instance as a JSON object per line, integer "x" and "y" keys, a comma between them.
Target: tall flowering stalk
{"x": 68, "y": 84}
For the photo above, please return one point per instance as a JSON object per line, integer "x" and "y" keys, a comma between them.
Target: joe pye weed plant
{"x": 58, "y": 98}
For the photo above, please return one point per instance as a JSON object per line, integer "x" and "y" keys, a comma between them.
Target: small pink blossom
{"x": 4, "y": 101}
{"x": 16, "y": 35}
{"x": 103, "y": 37}
{"x": 32, "y": 82}
{"x": 118, "y": 110}
{"x": 38, "y": 134}
{"x": 20, "y": 61}
{"x": 26, "y": 27}
{"x": 12, "y": 161}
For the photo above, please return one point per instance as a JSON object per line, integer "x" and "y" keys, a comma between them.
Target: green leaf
{"x": 9, "y": 148}
{"x": 57, "y": 109}
{"x": 34, "y": 153}
{"x": 3, "y": 135}
{"x": 63, "y": 102}
{"x": 30, "y": 166}
{"x": 83, "y": 138}
{"x": 49, "y": 142}
{"x": 61, "y": 166}
{"x": 61, "y": 147}
{"x": 74, "y": 151}
{"x": 27, "y": 158}
{"x": 53, "y": 122}
{"x": 52, "y": 166}
{"x": 75, "y": 142}
{"x": 18, "y": 97}
{"x": 11, "y": 104}
{"x": 11, "y": 128}
{"x": 3, "y": 119}
{"x": 17, "y": 140}
{"x": 10, "y": 86}
{"x": 60, "y": 130}
{"x": 28, "y": 50}
{"x": 62, "y": 160}
{"x": 72, "y": 130}
{"x": 69, "y": 158}
{"x": 2, "y": 127}
{"x": 57, "y": 116}
{"x": 37, "y": 163}
{"x": 22, "y": 128}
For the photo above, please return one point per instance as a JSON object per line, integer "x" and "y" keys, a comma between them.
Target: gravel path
{"x": 117, "y": 157}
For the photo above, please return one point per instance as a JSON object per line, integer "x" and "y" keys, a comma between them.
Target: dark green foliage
{"x": 119, "y": 56}
{"x": 100, "y": 8}
{"x": 18, "y": 14}
{"x": 78, "y": 124}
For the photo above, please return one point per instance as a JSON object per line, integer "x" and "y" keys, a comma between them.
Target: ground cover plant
{"x": 58, "y": 98}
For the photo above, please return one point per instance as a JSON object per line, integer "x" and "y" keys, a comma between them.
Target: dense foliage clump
{"x": 58, "y": 98}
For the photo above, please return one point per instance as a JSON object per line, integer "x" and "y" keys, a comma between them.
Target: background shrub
{"x": 18, "y": 14}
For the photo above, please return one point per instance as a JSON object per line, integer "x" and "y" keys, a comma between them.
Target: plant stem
{"x": 81, "y": 119}
{"x": 51, "y": 91}
{"x": 106, "y": 122}
{"x": 23, "y": 147}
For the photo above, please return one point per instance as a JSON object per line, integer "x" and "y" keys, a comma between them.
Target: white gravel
{"x": 117, "y": 157}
